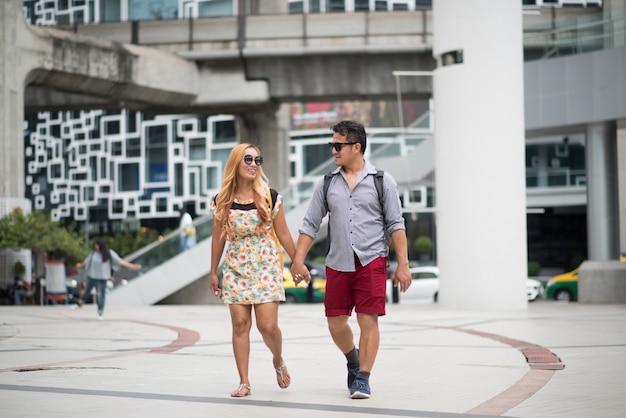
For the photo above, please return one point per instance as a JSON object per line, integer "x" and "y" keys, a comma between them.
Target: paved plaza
{"x": 552, "y": 360}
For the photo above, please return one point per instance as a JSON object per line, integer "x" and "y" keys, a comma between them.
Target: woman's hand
{"x": 300, "y": 272}
{"x": 214, "y": 284}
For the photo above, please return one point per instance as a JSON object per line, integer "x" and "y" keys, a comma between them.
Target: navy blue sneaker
{"x": 353, "y": 369}
{"x": 360, "y": 389}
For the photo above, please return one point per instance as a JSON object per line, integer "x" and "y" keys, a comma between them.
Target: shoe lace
{"x": 360, "y": 383}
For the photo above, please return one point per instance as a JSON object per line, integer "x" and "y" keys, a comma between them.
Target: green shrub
{"x": 533, "y": 268}
{"x": 423, "y": 245}
{"x": 19, "y": 269}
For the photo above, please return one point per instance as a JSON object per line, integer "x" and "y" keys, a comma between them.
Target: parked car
{"x": 563, "y": 287}
{"x": 304, "y": 293}
{"x": 425, "y": 287}
{"x": 534, "y": 289}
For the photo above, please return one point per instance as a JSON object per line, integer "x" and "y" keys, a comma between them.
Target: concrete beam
{"x": 76, "y": 66}
{"x": 128, "y": 74}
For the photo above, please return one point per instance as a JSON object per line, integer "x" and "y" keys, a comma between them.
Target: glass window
{"x": 224, "y": 131}
{"x": 214, "y": 8}
{"x": 213, "y": 180}
{"x": 110, "y": 11}
{"x": 178, "y": 179}
{"x": 335, "y": 6}
{"x": 152, "y": 10}
{"x": 220, "y": 155}
{"x": 423, "y": 3}
{"x": 380, "y": 5}
{"x": 361, "y": 5}
{"x": 296, "y": 7}
{"x": 197, "y": 149}
{"x": 128, "y": 177}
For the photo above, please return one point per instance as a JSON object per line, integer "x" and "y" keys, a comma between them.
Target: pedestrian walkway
{"x": 552, "y": 360}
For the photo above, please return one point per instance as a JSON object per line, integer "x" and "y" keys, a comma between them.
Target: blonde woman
{"x": 252, "y": 272}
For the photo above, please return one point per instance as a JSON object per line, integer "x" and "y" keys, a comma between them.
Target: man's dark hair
{"x": 353, "y": 131}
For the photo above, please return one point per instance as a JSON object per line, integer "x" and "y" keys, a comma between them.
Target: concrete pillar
{"x": 11, "y": 102}
{"x": 602, "y": 193}
{"x": 269, "y": 130}
{"x": 479, "y": 154}
{"x": 621, "y": 183}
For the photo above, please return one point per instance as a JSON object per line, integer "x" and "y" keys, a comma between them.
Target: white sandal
{"x": 282, "y": 383}
{"x": 242, "y": 390}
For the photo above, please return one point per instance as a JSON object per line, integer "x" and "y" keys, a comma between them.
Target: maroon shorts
{"x": 364, "y": 289}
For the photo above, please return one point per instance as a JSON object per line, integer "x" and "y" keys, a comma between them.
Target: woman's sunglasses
{"x": 337, "y": 145}
{"x": 257, "y": 160}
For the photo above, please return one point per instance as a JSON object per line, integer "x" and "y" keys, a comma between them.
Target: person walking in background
{"x": 250, "y": 216}
{"x": 356, "y": 264}
{"x": 99, "y": 265}
{"x": 187, "y": 230}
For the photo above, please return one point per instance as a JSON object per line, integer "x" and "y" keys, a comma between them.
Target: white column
{"x": 11, "y": 101}
{"x": 479, "y": 155}
{"x": 602, "y": 192}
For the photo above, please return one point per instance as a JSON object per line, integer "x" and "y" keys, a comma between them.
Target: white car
{"x": 534, "y": 289}
{"x": 425, "y": 287}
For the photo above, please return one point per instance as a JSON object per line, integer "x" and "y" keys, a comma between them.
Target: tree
{"x": 39, "y": 233}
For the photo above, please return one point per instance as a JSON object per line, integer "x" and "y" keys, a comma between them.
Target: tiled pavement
{"x": 552, "y": 360}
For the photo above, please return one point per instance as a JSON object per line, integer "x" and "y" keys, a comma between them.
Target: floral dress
{"x": 252, "y": 272}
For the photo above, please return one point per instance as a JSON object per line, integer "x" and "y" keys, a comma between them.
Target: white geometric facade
{"x": 126, "y": 165}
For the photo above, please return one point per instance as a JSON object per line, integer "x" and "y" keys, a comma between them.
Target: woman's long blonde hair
{"x": 226, "y": 196}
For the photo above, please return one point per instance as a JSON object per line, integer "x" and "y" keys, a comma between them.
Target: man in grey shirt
{"x": 356, "y": 264}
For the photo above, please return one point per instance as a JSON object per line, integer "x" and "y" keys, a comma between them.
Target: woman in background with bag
{"x": 99, "y": 265}
{"x": 250, "y": 216}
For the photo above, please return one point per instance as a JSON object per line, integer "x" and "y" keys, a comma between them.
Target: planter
{"x": 8, "y": 258}
{"x": 56, "y": 289}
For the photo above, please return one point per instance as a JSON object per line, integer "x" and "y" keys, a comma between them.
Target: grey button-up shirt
{"x": 356, "y": 219}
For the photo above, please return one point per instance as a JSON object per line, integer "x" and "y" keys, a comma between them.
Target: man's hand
{"x": 402, "y": 277}
{"x": 299, "y": 272}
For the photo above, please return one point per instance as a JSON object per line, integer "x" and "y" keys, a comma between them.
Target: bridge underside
{"x": 251, "y": 84}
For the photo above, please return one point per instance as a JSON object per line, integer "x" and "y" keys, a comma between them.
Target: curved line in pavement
{"x": 543, "y": 364}
{"x": 186, "y": 338}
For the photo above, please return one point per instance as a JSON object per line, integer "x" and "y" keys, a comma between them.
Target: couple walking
{"x": 250, "y": 216}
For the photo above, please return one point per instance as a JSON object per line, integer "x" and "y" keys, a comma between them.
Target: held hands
{"x": 402, "y": 278}
{"x": 299, "y": 272}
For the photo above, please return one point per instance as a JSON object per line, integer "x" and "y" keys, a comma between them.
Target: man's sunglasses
{"x": 337, "y": 145}
{"x": 257, "y": 160}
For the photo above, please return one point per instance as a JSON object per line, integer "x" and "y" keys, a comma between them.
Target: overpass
{"x": 241, "y": 65}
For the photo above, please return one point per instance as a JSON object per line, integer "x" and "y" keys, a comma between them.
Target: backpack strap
{"x": 378, "y": 182}
{"x": 327, "y": 179}
{"x": 273, "y": 197}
